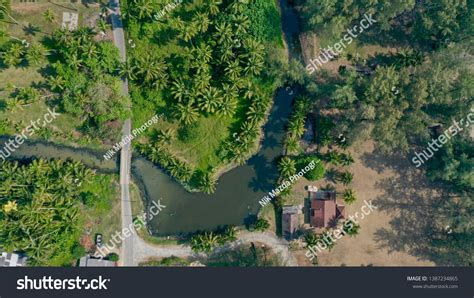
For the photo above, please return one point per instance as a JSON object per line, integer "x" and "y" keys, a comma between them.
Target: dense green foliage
{"x": 403, "y": 98}
{"x": 202, "y": 60}
{"x": 314, "y": 174}
{"x": 296, "y": 125}
{"x": 432, "y": 23}
{"x": 84, "y": 75}
{"x": 259, "y": 225}
{"x": 40, "y": 209}
{"x": 207, "y": 241}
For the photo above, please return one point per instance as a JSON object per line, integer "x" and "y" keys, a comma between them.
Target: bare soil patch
{"x": 400, "y": 192}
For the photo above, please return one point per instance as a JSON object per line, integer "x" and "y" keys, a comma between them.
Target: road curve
{"x": 147, "y": 251}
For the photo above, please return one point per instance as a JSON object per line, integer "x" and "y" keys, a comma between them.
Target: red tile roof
{"x": 324, "y": 209}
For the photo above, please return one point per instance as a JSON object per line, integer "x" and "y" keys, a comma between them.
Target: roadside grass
{"x": 164, "y": 262}
{"x": 101, "y": 213}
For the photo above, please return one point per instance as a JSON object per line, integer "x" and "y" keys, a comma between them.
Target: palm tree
{"x": 5, "y": 10}
{"x": 13, "y": 55}
{"x": 227, "y": 106}
{"x": 213, "y": 6}
{"x": 177, "y": 24}
{"x": 287, "y": 167}
{"x": 102, "y": 25}
{"x": 292, "y": 145}
{"x": 255, "y": 114}
{"x": 233, "y": 70}
{"x": 254, "y": 66}
{"x": 203, "y": 53}
{"x": 254, "y": 48}
{"x": 89, "y": 50}
{"x": 49, "y": 16}
{"x": 210, "y": 100}
{"x": 334, "y": 158}
{"x": 179, "y": 90}
{"x": 230, "y": 234}
{"x": 227, "y": 54}
{"x": 153, "y": 70}
{"x": 34, "y": 54}
{"x": 296, "y": 128}
{"x": 249, "y": 91}
{"x": 144, "y": 8}
{"x": 249, "y": 129}
{"x": 350, "y": 228}
{"x": 173, "y": 167}
{"x": 10, "y": 206}
{"x": 185, "y": 173}
{"x": 63, "y": 36}
{"x": 347, "y": 159}
{"x": 186, "y": 113}
{"x": 241, "y": 23}
{"x": 166, "y": 136}
{"x": 14, "y": 103}
{"x": 349, "y": 196}
{"x": 201, "y": 19}
{"x": 204, "y": 242}
{"x": 75, "y": 61}
{"x": 188, "y": 32}
{"x": 128, "y": 70}
{"x": 56, "y": 83}
{"x": 346, "y": 178}
{"x": 311, "y": 239}
{"x": 208, "y": 182}
{"x": 229, "y": 91}
{"x": 202, "y": 81}
{"x": 224, "y": 33}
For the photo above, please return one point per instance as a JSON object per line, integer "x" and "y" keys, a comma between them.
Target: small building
{"x": 325, "y": 211}
{"x": 290, "y": 221}
{"x": 12, "y": 260}
{"x": 88, "y": 261}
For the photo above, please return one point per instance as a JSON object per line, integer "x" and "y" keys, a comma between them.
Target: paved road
{"x": 125, "y": 154}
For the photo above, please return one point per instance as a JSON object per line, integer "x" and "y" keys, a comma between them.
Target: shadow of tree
{"x": 417, "y": 208}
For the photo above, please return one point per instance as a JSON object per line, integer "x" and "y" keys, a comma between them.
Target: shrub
{"x": 314, "y": 174}
{"x": 113, "y": 257}
{"x": 260, "y": 225}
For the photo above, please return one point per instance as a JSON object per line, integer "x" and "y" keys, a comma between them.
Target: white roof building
{"x": 12, "y": 260}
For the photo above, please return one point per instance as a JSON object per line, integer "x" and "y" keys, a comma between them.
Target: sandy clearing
{"x": 369, "y": 247}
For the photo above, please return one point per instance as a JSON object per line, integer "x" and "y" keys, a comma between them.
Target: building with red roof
{"x": 325, "y": 211}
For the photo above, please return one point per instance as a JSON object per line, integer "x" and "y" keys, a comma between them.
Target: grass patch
{"x": 102, "y": 206}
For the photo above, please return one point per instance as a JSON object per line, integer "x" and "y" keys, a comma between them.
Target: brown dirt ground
{"x": 374, "y": 180}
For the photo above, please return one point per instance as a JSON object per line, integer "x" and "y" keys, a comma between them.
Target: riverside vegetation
{"x": 204, "y": 64}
